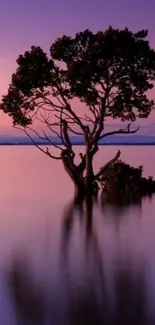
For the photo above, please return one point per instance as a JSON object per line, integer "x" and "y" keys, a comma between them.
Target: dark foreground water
{"x": 62, "y": 264}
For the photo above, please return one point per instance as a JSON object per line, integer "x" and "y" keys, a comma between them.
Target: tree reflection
{"x": 27, "y": 295}
{"x": 129, "y": 307}
{"x": 119, "y": 212}
{"x": 122, "y": 300}
{"x": 94, "y": 303}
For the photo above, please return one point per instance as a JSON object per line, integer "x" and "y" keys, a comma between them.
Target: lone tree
{"x": 109, "y": 73}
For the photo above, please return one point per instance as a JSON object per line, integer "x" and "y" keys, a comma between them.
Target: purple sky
{"x": 36, "y": 22}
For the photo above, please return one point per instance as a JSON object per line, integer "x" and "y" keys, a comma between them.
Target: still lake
{"x": 59, "y": 265}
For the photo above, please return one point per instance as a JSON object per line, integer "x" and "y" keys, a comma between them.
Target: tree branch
{"x": 82, "y": 165}
{"x": 64, "y": 126}
{"x": 36, "y": 145}
{"x": 110, "y": 162}
{"x": 72, "y": 113}
{"x": 51, "y": 125}
{"x": 127, "y": 130}
{"x": 44, "y": 138}
{"x": 100, "y": 120}
{"x": 51, "y": 142}
{"x": 73, "y": 131}
{"x": 56, "y": 133}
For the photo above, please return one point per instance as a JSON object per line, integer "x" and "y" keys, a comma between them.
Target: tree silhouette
{"x": 109, "y": 73}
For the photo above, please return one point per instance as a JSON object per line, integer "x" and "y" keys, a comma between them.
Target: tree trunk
{"x": 76, "y": 176}
{"x": 79, "y": 190}
{"x": 84, "y": 186}
{"x": 89, "y": 179}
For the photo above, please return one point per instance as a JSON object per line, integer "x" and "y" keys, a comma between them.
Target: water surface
{"x": 63, "y": 264}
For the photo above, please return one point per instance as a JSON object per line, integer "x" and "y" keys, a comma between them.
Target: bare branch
{"x": 109, "y": 163}
{"x": 94, "y": 111}
{"x": 68, "y": 117}
{"x": 127, "y": 130}
{"x": 55, "y": 132}
{"x": 51, "y": 142}
{"x": 44, "y": 138}
{"x": 72, "y": 113}
{"x": 73, "y": 131}
{"x": 100, "y": 121}
{"x": 64, "y": 128}
{"x": 102, "y": 86}
{"x": 38, "y": 146}
{"x": 51, "y": 125}
{"x": 89, "y": 119}
{"x": 49, "y": 101}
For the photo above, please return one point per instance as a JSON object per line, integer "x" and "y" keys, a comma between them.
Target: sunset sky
{"x": 38, "y": 22}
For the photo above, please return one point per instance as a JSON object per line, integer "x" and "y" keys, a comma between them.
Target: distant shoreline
{"x": 81, "y": 144}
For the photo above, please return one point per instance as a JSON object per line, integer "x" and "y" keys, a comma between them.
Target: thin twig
{"x": 127, "y": 130}
{"x": 37, "y": 146}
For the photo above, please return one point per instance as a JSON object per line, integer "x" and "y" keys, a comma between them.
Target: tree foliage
{"x": 109, "y": 72}
{"x": 122, "y": 183}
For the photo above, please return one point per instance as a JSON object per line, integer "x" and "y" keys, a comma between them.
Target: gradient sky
{"x": 40, "y": 22}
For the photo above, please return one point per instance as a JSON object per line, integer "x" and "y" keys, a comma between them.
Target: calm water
{"x": 61, "y": 264}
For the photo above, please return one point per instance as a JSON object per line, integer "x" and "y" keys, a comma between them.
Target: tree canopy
{"x": 109, "y": 72}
